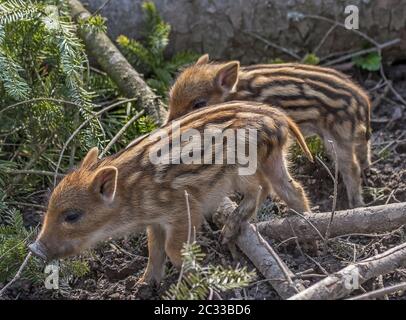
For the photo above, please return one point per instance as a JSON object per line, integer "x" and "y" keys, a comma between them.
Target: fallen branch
{"x": 262, "y": 255}
{"x": 375, "y": 219}
{"x": 340, "y": 284}
{"x": 380, "y": 292}
{"x": 116, "y": 65}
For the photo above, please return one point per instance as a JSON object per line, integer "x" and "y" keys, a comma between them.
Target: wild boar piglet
{"x": 322, "y": 101}
{"x": 210, "y": 153}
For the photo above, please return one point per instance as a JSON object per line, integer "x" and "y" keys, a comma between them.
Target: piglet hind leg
{"x": 177, "y": 236}
{"x": 349, "y": 168}
{"x": 283, "y": 184}
{"x": 363, "y": 152}
{"x": 254, "y": 194}
{"x": 232, "y": 226}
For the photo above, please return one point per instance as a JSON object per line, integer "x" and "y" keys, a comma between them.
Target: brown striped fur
{"x": 322, "y": 101}
{"x": 126, "y": 192}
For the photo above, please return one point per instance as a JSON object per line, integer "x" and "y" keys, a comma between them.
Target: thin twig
{"x": 35, "y": 172}
{"x": 310, "y": 275}
{"x": 377, "y": 101}
{"x": 268, "y": 247}
{"x": 261, "y": 240}
{"x": 317, "y": 264}
{"x": 361, "y": 34}
{"x": 189, "y": 235}
{"x": 307, "y": 271}
{"x": 98, "y": 71}
{"x": 101, "y": 7}
{"x": 397, "y": 94}
{"x": 284, "y": 241}
{"x": 334, "y": 206}
{"x": 278, "y": 260}
{"x": 317, "y": 48}
{"x": 390, "y": 196}
{"x": 390, "y": 144}
{"x": 273, "y": 45}
{"x": 34, "y": 230}
{"x": 120, "y": 133}
{"x": 25, "y": 204}
{"x": 296, "y": 239}
{"x": 380, "y": 292}
{"x": 189, "y": 217}
{"x": 309, "y": 222}
{"x": 18, "y": 274}
{"x": 39, "y": 100}
{"x": 361, "y": 52}
{"x": 325, "y": 167}
{"x": 380, "y": 277}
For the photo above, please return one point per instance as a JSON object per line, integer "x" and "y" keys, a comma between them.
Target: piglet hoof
{"x": 356, "y": 203}
{"x": 148, "y": 280}
{"x": 142, "y": 282}
{"x": 144, "y": 290}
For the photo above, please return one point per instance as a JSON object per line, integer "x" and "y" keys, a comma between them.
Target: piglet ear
{"x": 204, "y": 59}
{"x": 90, "y": 158}
{"x": 227, "y": 76}
{"x": 105, "y": 183}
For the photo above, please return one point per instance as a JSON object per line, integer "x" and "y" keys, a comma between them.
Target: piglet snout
{"x": 38, "y": 249}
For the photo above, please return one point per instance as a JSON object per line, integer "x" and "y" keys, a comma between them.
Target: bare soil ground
{"x": 116, "y": 266}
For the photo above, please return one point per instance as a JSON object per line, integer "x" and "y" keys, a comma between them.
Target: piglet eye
{"x": 72, "y": 216}
{"x": 199, "y": 104}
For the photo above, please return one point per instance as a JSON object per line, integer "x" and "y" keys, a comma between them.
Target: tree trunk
{"x": 222, "y": 28}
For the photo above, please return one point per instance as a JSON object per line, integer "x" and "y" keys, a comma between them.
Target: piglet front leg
{"x": 156, "y": 256}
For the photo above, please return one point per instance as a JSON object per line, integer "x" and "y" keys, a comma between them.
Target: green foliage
{"x": 41, "y": 56}
{"x": 42, "y": 61}
{"x": 13, "y": 246}
{"x": 95, "y": 23}
{"x": 148, "y": 55}
{"x": 311, "y": 58}
{"x": 370, "y": 62}
{"x": 75, "y": 268}
{"x": 14, "y": 240}
{"x": 315, "y": 145}
{"x": 144, "y": 125}
{"x": 198, "y": 280}
{"x": 17, "y": 10}
{"x": 276, "y": 61}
